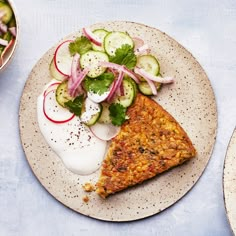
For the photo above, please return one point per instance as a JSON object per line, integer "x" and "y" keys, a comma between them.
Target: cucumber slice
{"x": 145, "y": 89}
{"x": 100, "y": 34}
{"x": 7, "y": 12}
{"x": 91, "y": 112}
{"x": 129, "y": 94}
{"x": 105, "y": 115}
{"x": 91, "y": 60}
{"x": 115, "y": 40}
{"x": 149, "y": 63}
{"x": 62, "y": 95}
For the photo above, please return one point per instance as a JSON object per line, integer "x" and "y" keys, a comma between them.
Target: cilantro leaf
{"x": 80, "y": 45}
{"x": 124, "y": 56}
{"x": 100, "y": 84}
{"x": 75, "y": 106}
{"x": 117, "y": 114}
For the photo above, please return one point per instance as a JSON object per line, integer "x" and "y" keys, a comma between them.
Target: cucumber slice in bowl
{"x": 115, "y": 40}
{"x": 6, "y": 12}
{"x": 91, "y": 60}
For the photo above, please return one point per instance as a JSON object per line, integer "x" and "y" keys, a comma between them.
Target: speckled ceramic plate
{"x": 229, "y": 182}
{"x": 190, "y": 100}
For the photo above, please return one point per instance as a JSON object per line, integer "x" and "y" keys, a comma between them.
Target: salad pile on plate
{"x": 7, "y": 28}
{"x": 100, "y": 74}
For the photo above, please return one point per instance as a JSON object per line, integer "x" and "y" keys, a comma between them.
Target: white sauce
{"x": 81, "y": 152}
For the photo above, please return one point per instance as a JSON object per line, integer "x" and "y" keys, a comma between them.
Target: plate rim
{"x": 215, "y": 127}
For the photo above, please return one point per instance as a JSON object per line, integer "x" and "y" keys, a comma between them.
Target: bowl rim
{"x": 13, "y": 49}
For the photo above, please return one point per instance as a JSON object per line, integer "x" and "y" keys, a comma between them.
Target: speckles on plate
{"x": 190, "y": 100}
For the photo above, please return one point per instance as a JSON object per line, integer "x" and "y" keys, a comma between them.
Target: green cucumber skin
{"x": 62, "y": 95}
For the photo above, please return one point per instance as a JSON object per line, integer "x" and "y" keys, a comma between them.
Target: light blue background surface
{"x": 206, "y": 28}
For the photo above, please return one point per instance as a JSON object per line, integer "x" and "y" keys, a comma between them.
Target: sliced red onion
{"x": 75, "y": 67}
{"x": 130, "y": 73}
{"x": 90, "y": 35}
{"x": 138, "y": 42}
{"x": 3, "y": 42}
{"x": 152, "y": 86}
{"x": 76, "y": 84}
{"x": 12, "y": 31}
{"x": 104, "y": 131}
{"x": 3, "y": 27}
{"x": 146, "y": 75}
{"x": 143, "y": 49}
{"x": 118, "y": 82}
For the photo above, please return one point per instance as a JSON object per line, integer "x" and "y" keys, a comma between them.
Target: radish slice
{"x": 52, "y": 86}
{"x": 53, "y": 111}
{"x": 63, "y": 59}
{"x": 105, "y": 131}
{"x": 120, "y": 68}
{"x": 90, "y": 35}
{"x": 146, "y": 75}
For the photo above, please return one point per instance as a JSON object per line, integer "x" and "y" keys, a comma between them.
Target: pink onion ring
{"x": 130, "y": 73}
{"x": 146, "y": 75}
{"x": 90, "y": 36}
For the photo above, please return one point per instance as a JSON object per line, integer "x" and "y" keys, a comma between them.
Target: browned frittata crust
{"x": 150, "y": 142}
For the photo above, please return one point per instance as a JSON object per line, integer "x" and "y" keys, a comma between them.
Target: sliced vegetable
{"x": 53, "y": 111}
{"x": 115, "y": 40}
{"x": 91, "y": 112}
{"x": 100, "y": 34}
{"x": 105, "y": 116}
{"x": 55, "y": 73}
{"x": 63, "y": 58}
{"x": 91, "y": 60}
{"x": 92, "y": 37}
{"x": 105, "y": 131}
{"x": 145, "y": 89}
{"x": 62, "y": 94}
{"x": 149, "y": 63}
{"x": 130, "y": 73}
{"x": 146, "y": 75}
{"x": 6, "y": 11}
{"x": 116, "y": 86}
{"x": 129, "y": 94}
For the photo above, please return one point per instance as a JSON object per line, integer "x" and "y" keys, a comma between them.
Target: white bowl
{"x": 10, "y": 52}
